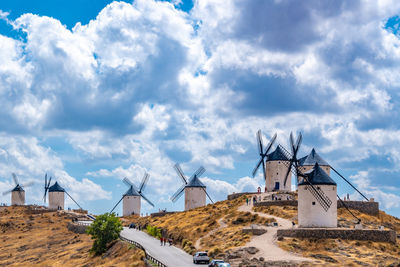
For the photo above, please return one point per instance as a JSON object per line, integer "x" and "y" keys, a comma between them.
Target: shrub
{"x": 153, "y": 231}
{"x": 103, "y": 230}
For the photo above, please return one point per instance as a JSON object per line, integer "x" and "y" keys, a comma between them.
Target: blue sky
{"x": 93, "y": 91}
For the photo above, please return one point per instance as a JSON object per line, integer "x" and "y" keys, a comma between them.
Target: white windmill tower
{"x": 131, "y": 203}
{"x": 56, "y": 195}
{"x": 18, "y": 192}
{"x": 307, "y": 163}
{"x": 194, "y": 189}
{"x": 310, "y": 213}
{"x": 317, "y": 205}
{"x": 274, "y": 165}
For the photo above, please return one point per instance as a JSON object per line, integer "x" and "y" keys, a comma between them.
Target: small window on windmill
{"x": 277, "y": 173}
{"x": 313, "y": 203}
{"x": 279, "y": 162}
{"x": 318, "y": 187}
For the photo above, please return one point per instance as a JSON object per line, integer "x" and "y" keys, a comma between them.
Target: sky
{"x": 92, "y": 91}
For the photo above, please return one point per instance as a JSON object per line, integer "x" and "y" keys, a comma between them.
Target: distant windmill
{"x": 18, "y": 192}
{"x": 272, "y": 165}
{"x": 194, "y": 189}
{"x": 56, "y": 195}
{"x": 131, "y": 199}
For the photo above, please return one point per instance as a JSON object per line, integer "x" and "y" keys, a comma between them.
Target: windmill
{"x": 18, "y": 192}
{"x": 194, "y": 189}
{"x": 131, "y": 199}
{"x": 314, "y": 186}
{"x": 272, "y": 165}
{"x": 56, "y": 195}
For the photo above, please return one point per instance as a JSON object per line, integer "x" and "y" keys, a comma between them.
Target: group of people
{"x": 164, "y": 240}
{"x": 254, "y": 198}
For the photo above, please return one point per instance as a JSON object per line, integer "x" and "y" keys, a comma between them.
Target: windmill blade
{"x": 144, "y": 182}
{"x": 45, "y": 180}
{"x": 298, "y": 142}
{"x": 260, "y": 143}
{"x": 116, "y": 204}
{"x": 208, "y": 195}
{"x": 287, "y": 172}
{"x": 73, "y": 200}
{"x": 148, "y": 201}
{"x": 291, "y": 143}
{"x": 180, "y": 173}
{"x": 127, "y": 182}
{"x": 271, "y": 142}
{"x": 7, "y": 192}
{"x": 199, "y": 172}
{"x": 15, "y": 179}
{"x": 48, "y": 185}
{"x": 347, "y": 181}
{"x": 319, "y": 195}
{"x": 45, "y": 194}
{"x": 258, "y": 165}
{"x": 178, "y": 193}
{"x": 27, "y": 184}
{"x": 264, "y": 170}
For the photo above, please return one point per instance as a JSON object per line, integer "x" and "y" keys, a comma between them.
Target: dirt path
{"x": 266, "y": 243}
{"x": 221, "y": 225}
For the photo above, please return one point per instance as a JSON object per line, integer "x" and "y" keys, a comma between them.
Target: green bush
{"x": 103, "y": 230}
{"x": 153, "y": 231}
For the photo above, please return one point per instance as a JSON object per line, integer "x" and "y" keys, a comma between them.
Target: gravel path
{"x": 221, "y": 225}
{"x": 266, "y": 243}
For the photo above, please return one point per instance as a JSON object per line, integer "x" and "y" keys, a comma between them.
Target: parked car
{"x": 214, "y": 263}
{"x": 223, "y": 264}
{"x": 201, "y": 257}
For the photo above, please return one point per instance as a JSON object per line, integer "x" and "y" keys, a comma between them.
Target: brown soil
{"x": 43, "y": 240}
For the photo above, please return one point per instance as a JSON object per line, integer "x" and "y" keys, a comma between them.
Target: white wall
{"x": 275, "y": 172}
{"x": 310, "y": 215}
{"x": 194, "y": 197}
{"x": 130, "y": 205}
{"x": 17, "y": 198}
{"x": 56, "y": 199}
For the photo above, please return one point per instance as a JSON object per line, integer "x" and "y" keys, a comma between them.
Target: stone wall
{"x": 77, "y": 228}
{"x": 237, "y": 195}
{"x": 343, "y": 233}
{"x": 371, "y": 208}
{"x": 161, "y": 213}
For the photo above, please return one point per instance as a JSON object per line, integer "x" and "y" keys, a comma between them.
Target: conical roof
{"x": 312, "y": 158}
{"x": 317, "y": 176}
{"x": 56, "y": 188}
{"x": 18, "y": 188}
{"x": 276, "y": 155}
{"x": 131, "y": 192}
{"x": 195, "y": 182}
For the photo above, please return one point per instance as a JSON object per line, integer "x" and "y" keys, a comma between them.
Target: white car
{"x": 201, "y": 257}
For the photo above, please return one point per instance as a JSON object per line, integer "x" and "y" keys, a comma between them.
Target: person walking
{"x": 161, "y": 241}
{"x": 247, "y": 201}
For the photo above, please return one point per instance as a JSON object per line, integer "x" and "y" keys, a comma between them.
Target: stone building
{"x": 310, "y": 211}
{"x": 56, "y": 197}
{"x": 131, "y": 202}
{"x": 18, "y": 196}
{"x": 195, "y": 194}
{"x": 275, "y": 171}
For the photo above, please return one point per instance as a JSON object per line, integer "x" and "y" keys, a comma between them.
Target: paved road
{"x": 169, "y": 255}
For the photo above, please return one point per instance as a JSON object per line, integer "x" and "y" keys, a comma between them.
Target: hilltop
{"x": 218, "y": 229}
{"x": 43, "y": 239}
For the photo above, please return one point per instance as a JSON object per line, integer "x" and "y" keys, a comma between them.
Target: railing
{"x": 147, "y": 255}
{"x": 83, "y": 223}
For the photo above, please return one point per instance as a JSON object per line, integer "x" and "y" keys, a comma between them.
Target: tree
{"x": 103, "y": 230}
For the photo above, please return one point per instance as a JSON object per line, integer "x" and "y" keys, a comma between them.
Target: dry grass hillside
{"x": 219, "y": 226}
{"x": 43, "y": 240}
